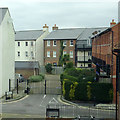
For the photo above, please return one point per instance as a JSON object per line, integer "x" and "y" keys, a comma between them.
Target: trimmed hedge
{"x": 98, "y": 92}
{"x": 37, "y": 78}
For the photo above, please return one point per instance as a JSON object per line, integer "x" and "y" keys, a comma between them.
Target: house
{"x": 76, "y": 42}
{"x": 52, "y": 44}
{"x": 29, "y": 50}
{"x": 7, "y": 49}
{"x": 84, "y": 48}
{"x": 103, "y": 46}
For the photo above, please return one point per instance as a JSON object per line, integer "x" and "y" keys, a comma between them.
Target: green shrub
{"x": 69, "y": 65}
{"x": 37, "y": 78}
{"x": 48, "y": 68}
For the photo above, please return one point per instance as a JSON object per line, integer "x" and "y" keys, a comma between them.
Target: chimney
{"x": 55, "y": 27}
{"x": 45, "y": 28}
{"x": 112, "y": 23}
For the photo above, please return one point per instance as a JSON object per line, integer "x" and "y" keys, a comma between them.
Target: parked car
{"x": 20, "y": 77}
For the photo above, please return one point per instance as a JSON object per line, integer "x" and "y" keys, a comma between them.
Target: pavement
{"x": 91, "y": 105}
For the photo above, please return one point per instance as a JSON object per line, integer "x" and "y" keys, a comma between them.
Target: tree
{"x": 48, "y": 68}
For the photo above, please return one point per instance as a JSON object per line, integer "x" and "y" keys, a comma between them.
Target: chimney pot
{"x": 112, "y": 23}
{"x": 55, "y": 27}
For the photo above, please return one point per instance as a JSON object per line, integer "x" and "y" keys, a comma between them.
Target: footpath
{"x": 91, "y": 105}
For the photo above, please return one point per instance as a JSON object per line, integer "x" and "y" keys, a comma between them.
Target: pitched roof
{"x": 28, "y": 35}
{"x": 87, "y": 33}
{"x": 60, "y": 34}
{"x": 2, "y": 13}
{"x": 73, "y": 33}
{"x": 26, "y": 64}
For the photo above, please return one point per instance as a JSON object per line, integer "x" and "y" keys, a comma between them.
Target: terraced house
{"x": 29, "y": 51}
{"x": 105, "y": 49}
{"x": 7, "y": 56}
{"x": 76, "y": 42}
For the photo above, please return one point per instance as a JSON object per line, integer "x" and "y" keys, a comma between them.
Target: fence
{"x": 68, "y": 111}
{"x": 56, "y": 70}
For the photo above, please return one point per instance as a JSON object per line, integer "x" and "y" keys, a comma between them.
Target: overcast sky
{"x": 33, "y": 14}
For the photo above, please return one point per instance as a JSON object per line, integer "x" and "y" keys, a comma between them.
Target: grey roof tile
{"x": 28, "y": 35}
{"x": 26, "y": 64}
{"x": 2, "y": 13}
{"x": 64, "y": 34}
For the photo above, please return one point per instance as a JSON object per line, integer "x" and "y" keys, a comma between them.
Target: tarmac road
{"x": 35, "y": 106}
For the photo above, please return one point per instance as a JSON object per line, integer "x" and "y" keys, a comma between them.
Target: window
{"x": 71, "y": 42}
{"x": 48, "y": 43}
{"x": 32, "y": 55}
{"x": 54, "y": 53}
{"x": 18, "y": 53}
{"x": 32, "y": 43}
{"x": 48, "y": 53}
{"x": 89, "y": 53}
{"x": 26, "y": 54}
{"x": 71, "y": 54}
{"x": 64, "y": 52}
{"x": 18, "y": 43}
{"x": 54, "y": 43}
{"x": 26, "y": 43}
{"x": 64, "y": 43}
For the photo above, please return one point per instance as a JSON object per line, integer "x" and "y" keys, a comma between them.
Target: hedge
{"x": 98, "y": 92}
{"x": 36, "y": 78}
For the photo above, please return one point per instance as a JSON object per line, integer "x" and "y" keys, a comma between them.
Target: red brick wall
{"x": 102, "y": 48}
{"x": 52, "y": 48}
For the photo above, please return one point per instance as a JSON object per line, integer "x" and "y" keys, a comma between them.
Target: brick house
{"x": 105, "y": 62}
{"x": 52, "y": 44}
{"x": 84, "y": 48}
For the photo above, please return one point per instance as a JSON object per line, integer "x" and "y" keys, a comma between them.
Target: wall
{"x": 57, "y": 48}
{"x": 8, "y": 56}
{"x": 40, "y": 48}
{"x": 102, "y": 49}
{"x": 23, "y": 48}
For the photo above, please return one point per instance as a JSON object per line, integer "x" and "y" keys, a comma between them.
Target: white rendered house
{"x": 29, "y": 49}
{"x": 7, "y": 49}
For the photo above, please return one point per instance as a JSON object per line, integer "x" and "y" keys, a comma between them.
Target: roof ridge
{"x": 27, "y": 30}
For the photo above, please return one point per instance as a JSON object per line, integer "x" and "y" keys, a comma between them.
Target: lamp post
{"x": 116, "y": 52}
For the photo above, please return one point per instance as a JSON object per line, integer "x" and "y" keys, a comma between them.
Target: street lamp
{"x": 117, "y": 51}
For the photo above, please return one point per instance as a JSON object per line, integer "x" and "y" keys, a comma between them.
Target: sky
{"x": 33, "y": 14}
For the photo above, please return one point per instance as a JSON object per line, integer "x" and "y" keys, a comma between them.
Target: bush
{"x": 48, "y": 68}
{"x": 37, "y": 78}
{"x": 69, "y": 65}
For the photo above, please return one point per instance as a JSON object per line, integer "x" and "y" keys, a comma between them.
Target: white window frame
{"x": 31, "y": 43}
{"x": 26, "y": 53}
{"x": 18, "y": 44}
{"x": 48, "y": 53}
{"x": 71, "y": 43}
{"x": 48, "y": 42}
{"x": 32, "y": 54}
{"x": 54, "y": 53}
{"x": 65, "y": 43}
{"x": 26, "y": 43}
{"x": 54, "y": 43}
{"x": 18, "y": 53}
{"x": 64, "y": 52}
{"x": 71, "y": 54}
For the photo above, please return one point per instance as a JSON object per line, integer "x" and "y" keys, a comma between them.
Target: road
{"x": 35, "y": 106}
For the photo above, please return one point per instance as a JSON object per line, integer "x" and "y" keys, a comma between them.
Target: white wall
{"x": 40, "y": 48}
{"x": 7, "y": 53}
{"x": 23, "y": 48}
{"x": 37, "y": 48}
